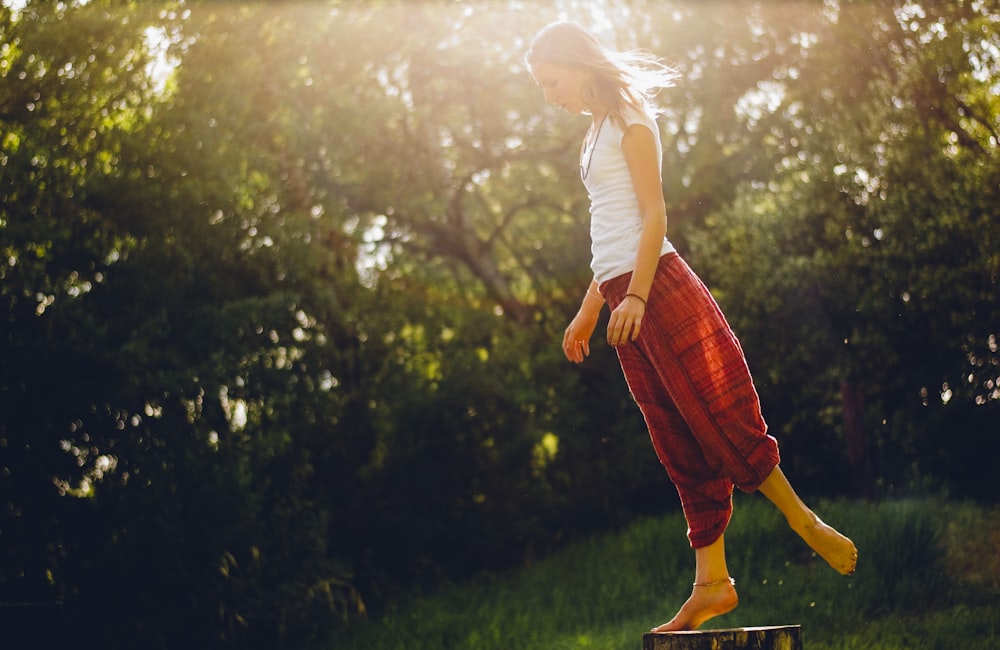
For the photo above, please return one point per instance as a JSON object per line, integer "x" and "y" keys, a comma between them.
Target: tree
{"x": 870, "y": 246}
{"x": 281, "y": 319}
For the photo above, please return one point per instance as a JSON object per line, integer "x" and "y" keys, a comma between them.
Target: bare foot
{"x": 706, "y": 601}
{"x": 838, "y": 551}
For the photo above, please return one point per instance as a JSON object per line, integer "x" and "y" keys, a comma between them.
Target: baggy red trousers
{"x": 687, "y": 373}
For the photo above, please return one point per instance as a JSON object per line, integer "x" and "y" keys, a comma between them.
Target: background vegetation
{"x": 923, "y": 583}
{"x": 282, "y": 287}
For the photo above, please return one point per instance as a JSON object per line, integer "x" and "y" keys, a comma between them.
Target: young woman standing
{"x": 682, "y": 362}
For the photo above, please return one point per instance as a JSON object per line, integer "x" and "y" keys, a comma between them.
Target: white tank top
{"x": 615, "y": 222}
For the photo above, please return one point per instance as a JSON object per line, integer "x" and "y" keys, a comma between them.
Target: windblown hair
{"x": 620, "y": 79}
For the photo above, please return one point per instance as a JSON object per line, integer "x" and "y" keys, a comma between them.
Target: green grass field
{"x": 928, "y": 577}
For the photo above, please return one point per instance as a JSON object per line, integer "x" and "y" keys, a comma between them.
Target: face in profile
{"x": 563, "y": 87}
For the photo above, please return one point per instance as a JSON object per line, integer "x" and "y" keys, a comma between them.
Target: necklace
{"x": 590, "y": 143}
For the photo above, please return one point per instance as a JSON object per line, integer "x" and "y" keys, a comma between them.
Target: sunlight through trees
{"x": 283, "y": 286}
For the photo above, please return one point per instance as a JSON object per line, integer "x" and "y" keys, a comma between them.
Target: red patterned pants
{"x": 687, "y": 373}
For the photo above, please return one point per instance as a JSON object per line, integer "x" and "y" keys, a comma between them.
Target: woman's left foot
{"x": 706, "y": 602}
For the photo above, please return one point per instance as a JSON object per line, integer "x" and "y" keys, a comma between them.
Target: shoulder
{"x": 638, "y": 124}
{"x": 640, "y": 139}
{"x": 634, "y": 120}
{"x": 637, "y": 115}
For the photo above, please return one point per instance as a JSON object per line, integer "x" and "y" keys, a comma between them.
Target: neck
{"x": 598, "y": 114}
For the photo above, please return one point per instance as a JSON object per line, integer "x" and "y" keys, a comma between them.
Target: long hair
{"x": 620, "y": 79}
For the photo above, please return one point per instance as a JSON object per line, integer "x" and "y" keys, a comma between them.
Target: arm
{"x": 576, "y": 339}
{"x": 639, "y": 148}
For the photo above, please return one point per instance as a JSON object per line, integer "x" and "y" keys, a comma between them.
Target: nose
{"x": 548, "y": 96}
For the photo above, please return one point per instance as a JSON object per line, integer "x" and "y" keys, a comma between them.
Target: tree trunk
{"x": 853, "y": 405}
{"x": 784, "y": 637}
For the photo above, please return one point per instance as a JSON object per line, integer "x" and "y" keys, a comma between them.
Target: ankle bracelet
{"x": 715, "y": 583}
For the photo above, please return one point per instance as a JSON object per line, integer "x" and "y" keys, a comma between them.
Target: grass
{"x": 928, "y": 578}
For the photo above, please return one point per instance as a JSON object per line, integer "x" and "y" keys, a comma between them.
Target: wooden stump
{"x": 783, "y": 637}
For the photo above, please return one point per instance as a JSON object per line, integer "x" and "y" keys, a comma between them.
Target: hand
{"x": 626, "y": 320}
{"x": 576, "y": 339}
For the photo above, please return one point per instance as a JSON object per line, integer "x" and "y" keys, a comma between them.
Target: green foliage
{"x": 608, "y": 590}
{"x": 283, "y": 283}
{"x": 869, "y": 251}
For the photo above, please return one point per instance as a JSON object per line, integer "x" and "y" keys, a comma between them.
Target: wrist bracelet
{"x": 635, "y": 295}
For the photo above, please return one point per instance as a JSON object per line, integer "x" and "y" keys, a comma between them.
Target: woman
{"x": 679, "y": 356}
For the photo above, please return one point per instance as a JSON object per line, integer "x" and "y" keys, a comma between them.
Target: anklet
{"x": 715, "y": 583}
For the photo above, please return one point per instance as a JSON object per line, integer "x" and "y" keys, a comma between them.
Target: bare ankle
{"x": 804, "y": 522}
{"x": 716, "y": 583}
{"x": 708, "y": 600}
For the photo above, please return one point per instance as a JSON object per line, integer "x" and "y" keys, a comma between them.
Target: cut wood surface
{"x": 780, "y": 637}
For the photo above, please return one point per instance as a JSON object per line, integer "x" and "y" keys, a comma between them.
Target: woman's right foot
{"x": 838, "y": 551}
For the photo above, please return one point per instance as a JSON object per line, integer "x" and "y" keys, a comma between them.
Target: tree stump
{"x": 782, "y": 637}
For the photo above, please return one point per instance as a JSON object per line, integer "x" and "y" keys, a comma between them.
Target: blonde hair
{"x": 620, "y": 79}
